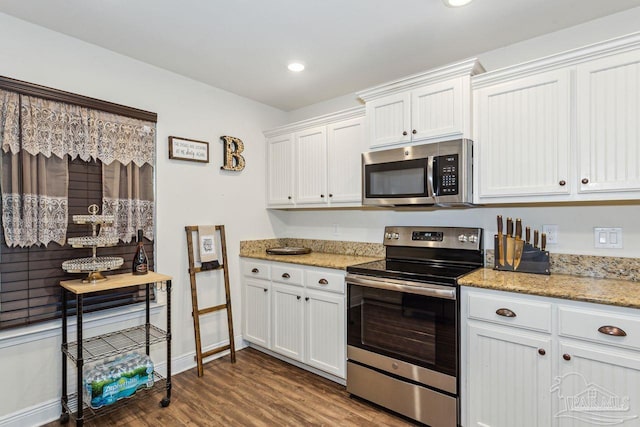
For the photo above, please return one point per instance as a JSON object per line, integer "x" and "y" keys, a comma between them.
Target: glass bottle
{"x": 140, "y": 260}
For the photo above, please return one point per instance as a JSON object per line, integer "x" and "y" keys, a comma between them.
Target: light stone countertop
{"x": 617, "y": 292}
{"x": 315, "y": 259}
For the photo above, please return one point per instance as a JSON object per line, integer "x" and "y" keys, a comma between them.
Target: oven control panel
{"x": 437, "y": 237}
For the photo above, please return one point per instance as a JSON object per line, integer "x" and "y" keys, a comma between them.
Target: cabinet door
{"x": 597, "y": 385}
{"x": 436, "y": 110}
{"x": 325, "y": 325}
{"x": 288, "y": 317}
{"x": 608, "y": 92}
{"x": 256, "y": 312}
{"x": 280, "y": 170}
{"x": 345, "y": 147}
{"x": 388, "y": 120}
{"x": 311, "y": 166}
{"x": 522, "y": 138}
{"x": 508, "y": 380}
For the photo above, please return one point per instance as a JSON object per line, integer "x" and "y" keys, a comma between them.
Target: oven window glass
{"x": 409, "y": 327}
{"x": 397, "y": 179}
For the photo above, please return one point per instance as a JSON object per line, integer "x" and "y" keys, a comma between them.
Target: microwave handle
{"x": 430, "y": 189}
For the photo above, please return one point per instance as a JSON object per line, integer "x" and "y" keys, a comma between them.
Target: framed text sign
{"x": 188, "y": 149}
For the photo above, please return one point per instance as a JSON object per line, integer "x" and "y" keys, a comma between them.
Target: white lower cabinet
{"x": 288, "y": 317}
{"x": 582, "y": 369}
{"x": 300, "y": 315}
{"x": 511, "y": 378}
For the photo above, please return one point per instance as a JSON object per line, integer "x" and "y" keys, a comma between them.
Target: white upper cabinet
{"x": 389, "y": 120}
{"x": 522, "y": 131}
{"x": 562, "y": 128}
{"x": 317, "y": 162}
{"x": 280, "y": 167}
{"x": 431, "y": 106}
{"x": 311, "y": 165}
{"x": 346, "y": 141}
{"x": 608, "y": 102}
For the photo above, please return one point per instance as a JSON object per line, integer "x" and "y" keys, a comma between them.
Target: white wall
{"x": 187, "y": 193}
{"x": 575, "y": 222}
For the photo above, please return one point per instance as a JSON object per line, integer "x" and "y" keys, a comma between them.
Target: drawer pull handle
{"x": 541, "y": 351}
{"x": 612, "y": 330}
{"x": 285, "y": 275}
{"x": 323, "y": 282}
{"x": 505, "y": 312}
{"x": 255, "y": 270}
{"x": 566, "y": 356}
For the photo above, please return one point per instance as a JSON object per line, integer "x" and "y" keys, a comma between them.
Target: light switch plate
{"x": 607, "y": 237}
{"x": 551, "y": 230}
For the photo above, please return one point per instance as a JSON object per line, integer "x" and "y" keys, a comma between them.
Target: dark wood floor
{"x": 258, "y": 390}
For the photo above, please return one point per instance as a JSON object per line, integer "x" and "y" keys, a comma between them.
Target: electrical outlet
{"x": 551, "y": 230}
{"x": 336, "y": 230}
{"x": 607, "y": 237}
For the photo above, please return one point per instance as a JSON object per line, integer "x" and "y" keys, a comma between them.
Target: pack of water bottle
{"x": 110, "y": 380}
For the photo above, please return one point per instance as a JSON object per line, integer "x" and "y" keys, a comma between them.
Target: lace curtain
{"x": 38, "y": 137}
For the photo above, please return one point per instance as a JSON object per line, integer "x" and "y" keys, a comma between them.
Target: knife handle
{"x": 518, "y": 228}
{"x": 543, "y": 243}
{"x": 527, "y": 232}
{"x": 500, "y": 225}
{"x": 535, "y": 238}
{"x": 509, "y": 227}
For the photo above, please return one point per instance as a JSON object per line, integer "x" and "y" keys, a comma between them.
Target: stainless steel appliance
{"x": 402, "y": 321}
{"x": 432, "y": 174}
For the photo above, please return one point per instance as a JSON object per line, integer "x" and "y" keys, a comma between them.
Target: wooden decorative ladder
{"x": 197, "y": 311}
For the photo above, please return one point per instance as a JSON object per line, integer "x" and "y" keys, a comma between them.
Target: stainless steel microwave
{"x": 431, "y": 174}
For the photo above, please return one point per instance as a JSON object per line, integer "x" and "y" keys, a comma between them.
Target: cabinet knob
{"x": 566, "y": 356}
{"x": 404, "y": 133}
{"x": 322, "y": 196}
{"x": 563, "y": 183}
{"x": 541, "y": 351}
{"x": 286, "y": 275}
{"x": 585, "y": 180}
{"x": 255, "y": 270}
{"x": 414, "y": 131}
{"x": 289, "y": 197}
{"x": 298, "y": 297}
{"x": 306, "y": 298}
{"x": 265, "y": 289}
{"x": 330, "y": 195}
{"x": 505, "y": 312}
{"x": 323, "y": 282}
{"x": 612, "y": 330}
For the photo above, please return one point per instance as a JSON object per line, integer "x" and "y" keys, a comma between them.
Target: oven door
{"x": 396, "y": 324}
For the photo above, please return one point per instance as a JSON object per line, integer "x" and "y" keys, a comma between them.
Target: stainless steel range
{"x": 402, "y": 321}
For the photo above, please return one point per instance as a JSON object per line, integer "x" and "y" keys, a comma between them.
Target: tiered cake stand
{"x": 93, "y": 265}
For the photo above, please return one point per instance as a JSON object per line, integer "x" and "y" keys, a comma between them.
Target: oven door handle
{"x": 424, "y": 289}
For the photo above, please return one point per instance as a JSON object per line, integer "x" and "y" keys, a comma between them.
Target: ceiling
{"x": 243, "y": 46}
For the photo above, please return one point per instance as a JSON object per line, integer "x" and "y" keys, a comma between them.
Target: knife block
{"x": 533, "y": 260}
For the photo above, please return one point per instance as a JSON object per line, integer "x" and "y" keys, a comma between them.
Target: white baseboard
{"x": 50, "y": 410}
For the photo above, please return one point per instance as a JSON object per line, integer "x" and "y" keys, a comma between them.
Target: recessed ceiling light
{"x": 295, "y": 67}
{"x": 456, "y": 3}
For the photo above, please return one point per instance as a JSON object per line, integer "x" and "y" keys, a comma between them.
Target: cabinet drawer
{"x": 513, "y": 312}
{"x": 333, "y": 282}
{"x": 599, "y": 326}
{"x": 258, "y": 270}
{"x": 287, "y": 274}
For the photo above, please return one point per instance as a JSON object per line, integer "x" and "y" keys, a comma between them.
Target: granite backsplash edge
{"x": 574, "y": 265}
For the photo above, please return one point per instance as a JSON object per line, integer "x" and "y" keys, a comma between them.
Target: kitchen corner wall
{"x": 188, "y": 193}
{"x": 575, "y": 223}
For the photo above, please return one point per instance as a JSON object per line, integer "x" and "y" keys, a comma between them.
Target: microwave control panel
{"x": 446, "y": 175}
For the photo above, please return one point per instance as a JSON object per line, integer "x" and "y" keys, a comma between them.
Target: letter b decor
{"x": 233, "y": 160}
